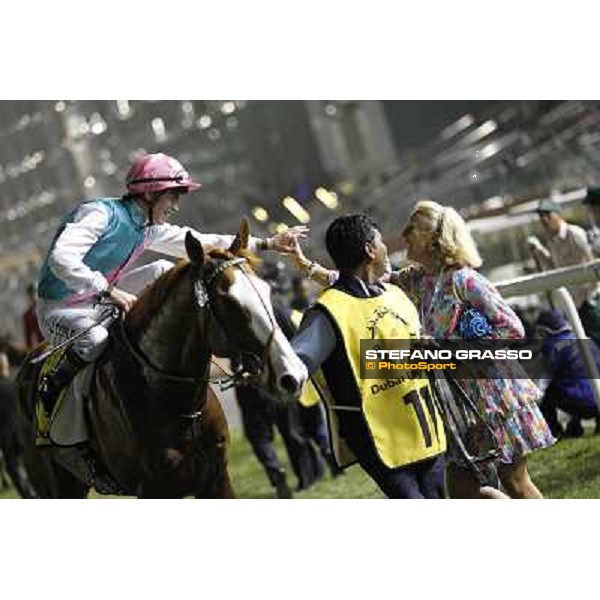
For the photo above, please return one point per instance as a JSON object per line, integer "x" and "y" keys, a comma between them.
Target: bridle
{"x": 252, "y": 365}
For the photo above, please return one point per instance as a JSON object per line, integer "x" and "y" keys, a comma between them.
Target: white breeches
{"x": 59, "y": 322}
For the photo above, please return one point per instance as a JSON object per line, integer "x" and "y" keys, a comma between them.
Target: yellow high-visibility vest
{"x": 403, "y": 421}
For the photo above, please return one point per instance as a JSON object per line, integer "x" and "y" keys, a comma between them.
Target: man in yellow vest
{"x": 388, "y": 426}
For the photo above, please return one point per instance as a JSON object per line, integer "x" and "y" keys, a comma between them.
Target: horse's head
{"x": 241, "y": 304}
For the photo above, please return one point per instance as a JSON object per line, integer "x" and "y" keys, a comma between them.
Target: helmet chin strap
{"x": 149, "y": 204}
{"x": 151, "y": 215}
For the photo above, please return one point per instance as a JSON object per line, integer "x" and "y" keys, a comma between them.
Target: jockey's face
{"x": 167, "y": 203}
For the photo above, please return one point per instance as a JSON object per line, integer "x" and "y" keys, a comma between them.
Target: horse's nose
{"x": 288, "y": 383}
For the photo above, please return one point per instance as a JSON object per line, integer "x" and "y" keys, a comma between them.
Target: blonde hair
{"x": 452, "y": 240}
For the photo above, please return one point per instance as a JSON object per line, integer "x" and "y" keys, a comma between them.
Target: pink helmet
{"x": 158, "y": 172}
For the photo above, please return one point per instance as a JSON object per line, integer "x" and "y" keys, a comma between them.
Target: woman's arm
{"x": 479, "y": 293}
{"x": 311, "y": 269}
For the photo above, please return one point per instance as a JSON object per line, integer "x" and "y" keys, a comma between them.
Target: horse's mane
{"x": 220, "y": 253}
{"x": 154, "y": 296}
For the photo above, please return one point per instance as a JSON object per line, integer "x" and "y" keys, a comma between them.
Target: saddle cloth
{"x": 66, "y": 425}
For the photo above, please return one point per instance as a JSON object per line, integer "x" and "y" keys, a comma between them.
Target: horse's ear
{"x": 236, "y": 244}
{"x": 194, "y": 249}
{"x": 245, "y": 232}
{"x": 240, "y": 241}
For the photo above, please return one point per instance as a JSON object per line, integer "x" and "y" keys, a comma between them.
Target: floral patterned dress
{"x": 509, "y": 405}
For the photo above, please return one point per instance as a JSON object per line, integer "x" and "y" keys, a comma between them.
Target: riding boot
{"x": 81, "y": 462}
{"x": 278, "y": 480}
{"x": 59, "y": 378}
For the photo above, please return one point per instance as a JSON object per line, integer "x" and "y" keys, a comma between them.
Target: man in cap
{"x": 567, "y": 245}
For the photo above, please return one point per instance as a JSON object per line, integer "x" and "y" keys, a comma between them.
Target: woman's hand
{"x": 298, "y": 257}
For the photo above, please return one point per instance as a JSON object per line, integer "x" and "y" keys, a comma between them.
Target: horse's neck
{"x": 174, "y": 339}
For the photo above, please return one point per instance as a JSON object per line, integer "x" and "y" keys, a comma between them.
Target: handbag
{"x": 471, "y": 441}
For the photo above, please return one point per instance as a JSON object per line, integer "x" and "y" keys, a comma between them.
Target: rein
{"x": 239, "y": 377}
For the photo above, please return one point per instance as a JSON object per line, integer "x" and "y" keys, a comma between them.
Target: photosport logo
{"x": 400, "y": 359}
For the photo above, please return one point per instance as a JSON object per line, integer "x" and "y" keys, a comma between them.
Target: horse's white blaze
{"x": 254, "y": 295}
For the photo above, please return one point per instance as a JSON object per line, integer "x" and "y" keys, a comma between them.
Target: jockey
{"x": 94, "y": 249}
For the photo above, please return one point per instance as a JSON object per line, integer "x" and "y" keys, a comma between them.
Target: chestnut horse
{"x": 153, "y": 420}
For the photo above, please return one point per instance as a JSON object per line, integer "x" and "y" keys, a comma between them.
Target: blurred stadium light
{"x": 328, "y": 155}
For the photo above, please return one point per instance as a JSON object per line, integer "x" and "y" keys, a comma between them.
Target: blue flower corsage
{"x": 473, "y": 325}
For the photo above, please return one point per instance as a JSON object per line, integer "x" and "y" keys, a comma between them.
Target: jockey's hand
{"x": 286, "y": 240}
{"x": 122, "y": 299}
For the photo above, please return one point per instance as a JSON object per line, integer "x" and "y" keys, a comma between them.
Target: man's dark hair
{"x": 346, "y": 238}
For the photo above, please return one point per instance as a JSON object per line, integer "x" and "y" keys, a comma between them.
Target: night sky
{"x": 413, "y": 122}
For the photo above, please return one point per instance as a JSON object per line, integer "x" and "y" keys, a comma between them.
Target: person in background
{"x": 569, "y": 388}
{"x": 11, "y": 445}
{"x": 567, "y": 245}
{"x": 5, "y": 418}
{"x": 31, "y": 327}
{"x": 312, "y": 413}
{"x": 592, "y": 201}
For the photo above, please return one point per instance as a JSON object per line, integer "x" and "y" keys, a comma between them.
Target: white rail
{"x": 550, "y": 280}
{"x": 554, "y": 282}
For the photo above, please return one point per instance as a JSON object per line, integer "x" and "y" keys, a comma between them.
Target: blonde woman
{"x": 443, "y": 283}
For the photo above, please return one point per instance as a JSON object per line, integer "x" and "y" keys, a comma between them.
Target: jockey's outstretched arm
{"x": 170, "y": 239}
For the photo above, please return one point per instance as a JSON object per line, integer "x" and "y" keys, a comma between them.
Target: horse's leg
{"x": 215, "y": 425}
{"x": 221, "y": 487}
{"x": 4, "y": 483}
{"x": 17, "y": 473}
{"x": 68, "y": 486}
